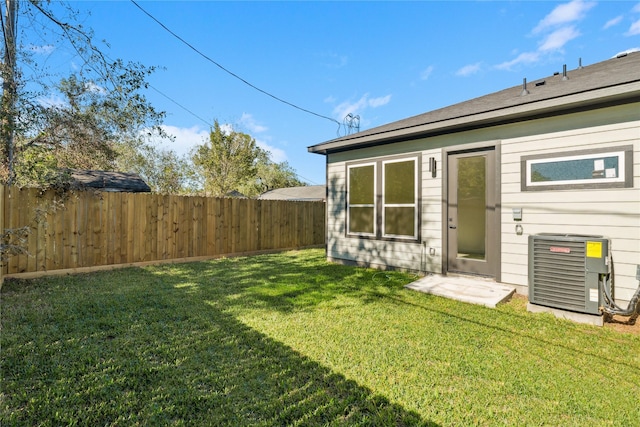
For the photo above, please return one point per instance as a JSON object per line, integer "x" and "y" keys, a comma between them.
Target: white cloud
{"x": 557, "y": 39}
{"x": 184, "y": 138}
{"x": 348, "y": 107}
{"x": 334, "y": 60}
{"x": 563, "y": 14}
{"x": 468, "y": 70}
{"x": 379, "y": 102}
{"x": 277, "y": 155}
{"x": 636, "y": 8}
{"x": 52, "y": 101}
{"x": 94, "y": 88}
{"x": 634, "y": 30}
{"x": 612, "y": 22}
{"x": 523, "y": 58}
{"x": 42, "y": 50}
{"x": 341, "y": 110}
{"x": 426, "y": 72}
{"x": 554, "y": 31}
{"x": 250, "y": 123}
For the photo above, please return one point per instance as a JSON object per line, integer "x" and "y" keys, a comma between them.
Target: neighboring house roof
{"x": 110, "y": 181}
{"x": 305, "y": 193}
{"x": 235, "y": 194}
{"x": 616, "y": 80}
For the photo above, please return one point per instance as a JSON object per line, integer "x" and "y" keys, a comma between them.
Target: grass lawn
{"x": 288, "y": 339}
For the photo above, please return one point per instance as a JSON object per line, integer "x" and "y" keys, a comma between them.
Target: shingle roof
{"x": 110, "y": 181}
{"x": 305, "y": 193}
{"x": 614, "y": 80}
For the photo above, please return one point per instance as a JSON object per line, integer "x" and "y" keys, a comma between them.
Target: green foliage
{"x": 289, "y": 340}
{"x": 270, "y": 175}
{"x": 226, "y": 161}
{"x": 78, "y": 120}
{"x": 163, "y": 170}
{"x": 84, "y": 130}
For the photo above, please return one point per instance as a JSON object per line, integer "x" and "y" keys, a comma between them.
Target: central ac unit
{"x": 565, "y": 271}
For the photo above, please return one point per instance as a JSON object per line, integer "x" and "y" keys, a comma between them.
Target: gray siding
{"x": 613, "y": 213}
{"x": 384, "y": 253}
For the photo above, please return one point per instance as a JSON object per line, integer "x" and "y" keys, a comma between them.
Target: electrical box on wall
{"x": 517, "y": 214}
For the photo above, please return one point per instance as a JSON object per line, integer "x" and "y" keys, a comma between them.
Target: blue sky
{"x": 382, "y": 61}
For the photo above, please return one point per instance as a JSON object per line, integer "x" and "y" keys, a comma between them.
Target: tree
{"x": 270, "y": 175}
{"x": 226, "y": 162}
{"x": 99, "y": 105}
{"x": 163, "y": 170}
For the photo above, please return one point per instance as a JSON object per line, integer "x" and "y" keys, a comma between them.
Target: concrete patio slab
{"x": 474, "y": 290}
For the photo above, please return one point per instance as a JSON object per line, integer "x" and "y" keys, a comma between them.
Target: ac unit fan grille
{"x": 559, "y": 275}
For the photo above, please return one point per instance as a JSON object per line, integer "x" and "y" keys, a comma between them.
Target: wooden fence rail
{"x": 88, "y": 229}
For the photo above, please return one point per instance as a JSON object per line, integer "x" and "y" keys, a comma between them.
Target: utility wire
{"x": 211, "y": 125}
{"x": 181, "y": 106}
{"x": 230, "y": 72}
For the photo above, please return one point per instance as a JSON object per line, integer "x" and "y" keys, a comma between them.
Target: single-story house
{"x": 305, "y": 193}
{"x": 110, "y": 181}
{"x": 461, "y": 189}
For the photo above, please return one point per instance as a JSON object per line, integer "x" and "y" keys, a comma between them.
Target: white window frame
{"x": 374, "y": 205}
{"x": 623, "y": 178}
{"x": 413, "y": 205}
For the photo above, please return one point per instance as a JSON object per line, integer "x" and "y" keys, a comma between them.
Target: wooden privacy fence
{"x": 89, "y": 229}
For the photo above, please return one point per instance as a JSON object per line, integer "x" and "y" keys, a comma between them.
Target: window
{"x": 606, "y": 168}
{"x": 400, "y": 198}
{"x": 382, "y": 199}
{"x": 362, "y": 204}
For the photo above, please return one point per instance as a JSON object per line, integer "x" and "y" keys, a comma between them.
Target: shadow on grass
{"x": 147, "y": 346}
{"x": 282, "y": 282}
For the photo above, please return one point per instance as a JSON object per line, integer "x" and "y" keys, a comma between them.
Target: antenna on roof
{"x": 351, "y": 123}
{"x": 524, "y": 88}
{"x": 564, "y": 72}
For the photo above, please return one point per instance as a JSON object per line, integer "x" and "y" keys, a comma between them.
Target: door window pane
{"x": 472, "y": 207}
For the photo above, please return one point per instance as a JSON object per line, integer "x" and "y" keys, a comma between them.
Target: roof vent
{"x": 622, "y": 55}
{"x": 564, "y": 72}
{"x": 579, "y": 63}
{"x": 524, "y": 88}
{"x": 541, "y": 83}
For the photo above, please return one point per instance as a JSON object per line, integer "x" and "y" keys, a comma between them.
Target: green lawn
{"x": 289, "y": 339}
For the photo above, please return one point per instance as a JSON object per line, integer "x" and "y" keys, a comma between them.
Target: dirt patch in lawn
{"x": 618, "y": 323}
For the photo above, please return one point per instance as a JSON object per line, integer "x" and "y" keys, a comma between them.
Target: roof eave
{"x": 547, "y": 107}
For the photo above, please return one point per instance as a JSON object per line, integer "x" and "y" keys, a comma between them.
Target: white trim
{"x": 365, "y": 205}
{"x": 413, "y": 205}
{"x": 595, "y": 156}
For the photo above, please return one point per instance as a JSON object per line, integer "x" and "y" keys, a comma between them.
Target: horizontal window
{"x": 583, "y": 169}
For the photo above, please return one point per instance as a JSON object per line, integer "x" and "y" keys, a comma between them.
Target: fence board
{"x": 88, "y": 229}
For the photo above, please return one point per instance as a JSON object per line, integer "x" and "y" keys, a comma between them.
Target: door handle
{"x": 453, "y": 227}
